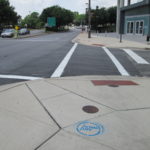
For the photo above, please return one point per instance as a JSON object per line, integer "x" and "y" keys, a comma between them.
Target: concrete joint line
{"x": 44, "y": 142}
{"x": 88, "y": 99}
{"x": 99, "y": 116}
{"x": 89, "y": 139}
{"x": 46, "y": 99}
{"x": 134, "y": 109}
{"x": 43, "y": 106}
{"x": 11, "y": 87}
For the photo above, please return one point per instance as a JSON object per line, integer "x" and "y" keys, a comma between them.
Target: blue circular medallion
{"x": 88, "y": 128}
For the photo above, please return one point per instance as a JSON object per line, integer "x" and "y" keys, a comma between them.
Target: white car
{"x": 8, "y": 33}
{"x": 24, "y": 31}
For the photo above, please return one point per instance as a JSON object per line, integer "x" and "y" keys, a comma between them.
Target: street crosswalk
{"x": 125, "y": 62}
{"x": 87, "y": 60}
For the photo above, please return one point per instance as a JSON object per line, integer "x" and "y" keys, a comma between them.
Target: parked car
{"x": 24, "y": 31}
{"x": 8, "y": 33}
{"x": 1, "y": 30}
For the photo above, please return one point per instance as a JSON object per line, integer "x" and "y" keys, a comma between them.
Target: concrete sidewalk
{"x": 112, "y": 42}
{"x": 76, "y": 113}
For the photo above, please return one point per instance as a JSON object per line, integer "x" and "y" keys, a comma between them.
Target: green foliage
{"x": 7, "y": 14}
{"x": 102, "y": 17}
{"x": 79, "y": 18}
{"x": 32, "y": 21}
{"x": 99, "y": 17}
{"x": 63, "y": 16}
{"x": 112, "y": 15}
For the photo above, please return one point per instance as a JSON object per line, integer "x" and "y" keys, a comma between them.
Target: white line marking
{"x": 60, "y": 69}
{"x": 120, "y": 68}
{"x": 136, "y": 57}
{"x": 19, "y": 77}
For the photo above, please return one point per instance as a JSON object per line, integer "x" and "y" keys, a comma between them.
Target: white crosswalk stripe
{"x": 118, "y": 65}
{"x": 19, "y": 77}
{"x": 60, "y": 69}
{"x": 136, "y": 57}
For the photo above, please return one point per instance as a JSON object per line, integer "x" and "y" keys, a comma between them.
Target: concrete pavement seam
{"x": 12, "y": 87}
{"x": 98, "y": 102}
{"x": 43, "y": 106}
{"x": 45, "y": 99}
{"x": 134, "y": 109}
{"x": 69, "y": 132}
{"x": 90, "y": 119}
{"x": 25, "y": 116}
{"x": 47, "y": 140}
{"x": 82, "y": 96}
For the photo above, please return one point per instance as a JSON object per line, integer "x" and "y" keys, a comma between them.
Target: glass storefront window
{"x": 135, "y": 27}
{"x": 141, "y": 27}
{"x": 132, "y": 27}
{"x": 128, "y": 27}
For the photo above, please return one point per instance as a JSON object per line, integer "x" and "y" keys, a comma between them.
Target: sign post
{"x": 16, "y": 31}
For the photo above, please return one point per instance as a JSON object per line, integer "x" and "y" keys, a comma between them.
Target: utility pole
{"x": 89, "y": 20}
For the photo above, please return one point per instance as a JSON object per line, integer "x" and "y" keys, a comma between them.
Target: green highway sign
{"x": 51, "y": 21}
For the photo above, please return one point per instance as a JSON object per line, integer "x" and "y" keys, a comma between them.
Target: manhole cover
{"x": 90, "y": 109}
{"x": 113, "y": 85}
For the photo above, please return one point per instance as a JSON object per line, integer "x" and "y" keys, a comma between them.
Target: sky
{"x": 25, "y": 7}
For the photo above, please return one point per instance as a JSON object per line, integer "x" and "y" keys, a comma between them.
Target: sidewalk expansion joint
{"x": 43, "y": 106}
{"x": 11, "y": 87}
{"x": 89, "y": 99}
{"x": 45, "y": 99}
{"x": 47, "y": 140}
{"x": 134, "y": 109}
{"x": 88, "y": 139}
{"x": 89, "y": 119}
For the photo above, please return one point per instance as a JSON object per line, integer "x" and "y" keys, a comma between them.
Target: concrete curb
{"x": 96, "y": 42}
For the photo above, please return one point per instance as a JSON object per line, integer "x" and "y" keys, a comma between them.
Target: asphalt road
{"x": 44, "y": 55}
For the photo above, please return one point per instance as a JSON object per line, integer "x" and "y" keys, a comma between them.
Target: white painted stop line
{"x": 136, "y": 57}
{"x": 60, "y": 69}
{"x": 118, "y": 65}
{"x": 19, "y": 77}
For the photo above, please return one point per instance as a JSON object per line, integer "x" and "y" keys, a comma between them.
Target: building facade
{"x": 135, "y": 18}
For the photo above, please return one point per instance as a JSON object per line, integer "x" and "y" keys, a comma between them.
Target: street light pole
{"x": 89, "y": 20}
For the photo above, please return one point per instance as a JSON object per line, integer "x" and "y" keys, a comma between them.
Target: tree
{"x": 112, "y": 15}
{"x": 79, "y": 18}
{"x": 99, "y": 17}
{"x": 32, "y": 21}
{"x": 104, "y": 19}
{"x": 63, "y": 16}
{"x": 7, "y": 14}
